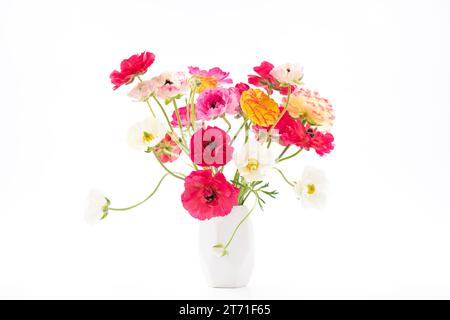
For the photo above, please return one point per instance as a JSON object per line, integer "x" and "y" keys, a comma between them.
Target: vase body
{"x": 233, "y": 270}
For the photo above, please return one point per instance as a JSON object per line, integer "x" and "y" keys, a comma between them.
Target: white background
{"x": 384, "y": 65}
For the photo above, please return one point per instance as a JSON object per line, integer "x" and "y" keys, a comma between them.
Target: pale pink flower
{"x": 207, "y": 79}
{"x": 288, "y": 73}
{"x": 142, "y": 91}
{"x": 170, "y": 84}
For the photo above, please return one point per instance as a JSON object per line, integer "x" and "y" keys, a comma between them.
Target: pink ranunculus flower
{"x": 206, "y": 79}
{"x": 293, "y": 131}
{"x": 234, "y": 104}
{"x": 185, "y": 121}
{"x": 212, "y": 103}
{"x": 130, "y": 68}
{"x": 170, "y": 84}
{"x": 167, "y": 150}
{"x": 211, "y": 147}
{"x": 207, "y": 196}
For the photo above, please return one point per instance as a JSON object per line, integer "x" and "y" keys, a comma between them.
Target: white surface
{"x": 385, "y": 66}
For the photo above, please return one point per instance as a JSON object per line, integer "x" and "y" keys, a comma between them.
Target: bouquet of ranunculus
{"x": 206, "y": 121}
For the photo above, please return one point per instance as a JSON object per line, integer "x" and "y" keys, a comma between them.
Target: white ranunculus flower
{"x": 312, "y": 188}
{"x": 288, "y": 73}
{"x": 146, "y": 133}
{"x": 253, "y": 160}
{"x": 97, "y": 206}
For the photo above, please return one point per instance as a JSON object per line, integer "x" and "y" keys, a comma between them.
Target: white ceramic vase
{"x": 233, "y": 270}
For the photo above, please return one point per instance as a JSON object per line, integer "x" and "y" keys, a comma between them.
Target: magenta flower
{"x": 212, "y": 103}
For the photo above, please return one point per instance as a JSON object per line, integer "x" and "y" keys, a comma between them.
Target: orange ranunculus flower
{"x": 261, "y": 109}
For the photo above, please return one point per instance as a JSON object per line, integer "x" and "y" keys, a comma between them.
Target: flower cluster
{"x": 200, "y": 118}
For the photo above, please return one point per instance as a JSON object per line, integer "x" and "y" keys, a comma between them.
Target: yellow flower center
{"x": 311, "y": 189}
{"x": 252, "y": 165}
{"x": 147, "y": 137}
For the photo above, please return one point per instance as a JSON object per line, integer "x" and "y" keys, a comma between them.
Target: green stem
{"x": 179, "y": 121}
{"x": 150, "y": 107}
{"x": 246, "y": 131}
{"x": 176, "y": 175}
{"x": 284, "y": 151}
{"x": 192, "y": 108}
{"x": 289, "y": 157}
{"x": 239, "y": 130}
{"x": 284, "y": 177}
{"x": 165, "y": 114}
{"x": 238, "y": 226}
{"x": 228, "y": 123}
{"x": 141, "y": 202}
{"x": 146, "y": 100}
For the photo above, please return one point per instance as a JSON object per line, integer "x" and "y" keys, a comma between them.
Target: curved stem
{"x": 141, "y": 202}
{"x": 239, "y": 225}
{"x": 228, "y": 123}
{"x": 284, "y": 151}
{"x": 176, "y": 175}
{"x": 284, "y": 177}
{"x": 288, "y": 157}
{"x": 165, "y": 114}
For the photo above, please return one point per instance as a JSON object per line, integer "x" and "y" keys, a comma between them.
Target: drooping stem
{"x": 289, "y": 157}
{"x": 141, "y": 202}
{"x": 227, "y": 122}
{"x": 284, "y": 177}
{"x": 174, "y": 174}
{"x": 238, "y": 226}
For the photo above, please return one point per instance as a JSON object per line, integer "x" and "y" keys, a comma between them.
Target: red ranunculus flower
{"x": 266, "y": 80}
{"x": 293, "y": 131}
{"x": 207, "y": 196}
{"x": 167, "y": 150}
{"x": 130, "y": 68}
{"x": 211, "y": 147}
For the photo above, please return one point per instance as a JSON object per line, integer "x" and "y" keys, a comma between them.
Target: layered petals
{"x": 130, "y": 68}
{"x": 207, "y": 196}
